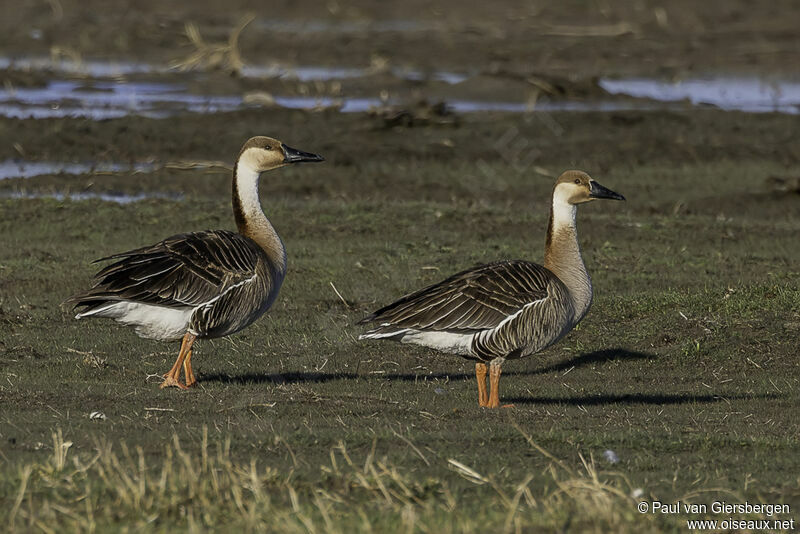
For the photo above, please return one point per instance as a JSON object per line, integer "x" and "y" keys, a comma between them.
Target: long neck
{"x": 562, "y": 255}
{"x": 250, "y": 218}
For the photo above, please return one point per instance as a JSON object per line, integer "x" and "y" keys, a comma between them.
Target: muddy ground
{"x": 573, "y": 38}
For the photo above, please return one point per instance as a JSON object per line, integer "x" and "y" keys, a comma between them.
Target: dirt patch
{"x": 571, "y": 37}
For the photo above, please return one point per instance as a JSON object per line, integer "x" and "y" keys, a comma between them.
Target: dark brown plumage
{"x": 214, "y": 273}
{"x": 474, "y": 299}
{"x": 507, "y": 309}
{"x": 202, "y": 284}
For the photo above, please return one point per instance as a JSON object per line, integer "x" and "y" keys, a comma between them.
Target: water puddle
{"x": 98, "y": 100}
{"x": 727, "y": 93}
{"x": 29, "y": 169}
{"x": 117, "y": 198}
{"x": 113, "y": 69}
{"x": 111, "y": 100}
{"x": 105, "y": 100}
{"x": 324, "y": 74}
{"x": 95, "y": 69}
{"x": 451, "y": 78}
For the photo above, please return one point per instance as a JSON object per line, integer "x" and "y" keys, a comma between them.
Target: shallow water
{"x": 728, "y": 93}
{"x": 29, "y": 169}
{"x": 96, "y": 69}
{"x": 102, "y": 100}
{"x": 66, "y": 98}
{"x": 312, "y": 73}
{"x": 117, "y": 198}
{"x": 303, "y": 73}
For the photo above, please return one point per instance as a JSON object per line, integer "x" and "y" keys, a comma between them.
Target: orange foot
{"x": 170, "y": 381}
{"x": 490, "y": 405}
{"x": 172, "y": 378}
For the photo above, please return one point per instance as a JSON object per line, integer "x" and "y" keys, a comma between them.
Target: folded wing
{"x": 186, "y": 270}
{"x": 473, "y": 300}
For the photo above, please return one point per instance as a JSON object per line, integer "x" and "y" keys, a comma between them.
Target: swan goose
{"x": 507, "y": 309}
{"x": 202, "y": 284}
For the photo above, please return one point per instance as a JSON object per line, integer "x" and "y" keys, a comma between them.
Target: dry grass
{"x": 213, "y": 56}
{"x": 210, "y": 491}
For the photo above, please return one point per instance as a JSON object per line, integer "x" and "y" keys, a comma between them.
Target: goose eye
{"x": 577, "y": 181}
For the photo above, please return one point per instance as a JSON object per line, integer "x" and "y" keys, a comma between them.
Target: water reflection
{"x": 728, "y": 93}
{"x": 302, "y": 73}
{"x": 29, "y": 169}
{"x": 99, "y": 100}
{"x": 117, "y": 198}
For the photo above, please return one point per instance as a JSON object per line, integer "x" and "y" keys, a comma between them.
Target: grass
{"x": 214, "y": 56}
{"x": 686, "y": 367}
{"x": 110, "y": 488}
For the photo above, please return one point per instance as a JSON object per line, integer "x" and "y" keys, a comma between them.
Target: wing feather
{"x": 185, "y": 270}
{"x": 475, "y": 299}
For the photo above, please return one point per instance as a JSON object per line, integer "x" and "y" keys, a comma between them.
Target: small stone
{"x": 611, "y": 456}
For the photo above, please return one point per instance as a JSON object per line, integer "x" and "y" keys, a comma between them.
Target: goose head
{"x": 263, "y": 153}
{"x": 577, "y": 187}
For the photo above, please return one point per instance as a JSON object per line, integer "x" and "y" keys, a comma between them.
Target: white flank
{"x": 154, "y": 322}
{"x": 443, "y": 341}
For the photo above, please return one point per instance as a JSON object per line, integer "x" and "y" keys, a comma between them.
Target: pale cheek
{"x": 580, "y": 198}
{"x": 275, "y": 159}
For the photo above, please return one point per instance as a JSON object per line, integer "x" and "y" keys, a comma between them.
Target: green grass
{"x": 686, "y": 366}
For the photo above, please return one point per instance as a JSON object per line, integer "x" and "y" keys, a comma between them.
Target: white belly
{"x": 154, "y": 322}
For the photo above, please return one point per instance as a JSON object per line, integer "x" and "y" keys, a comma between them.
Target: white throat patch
{"x": 247, "y": 182}
{"x": 563, "y": 212}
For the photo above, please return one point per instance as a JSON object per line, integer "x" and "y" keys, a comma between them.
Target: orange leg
{"x": 172, "y": 378}
{"x": 480, "y": 374}
{"x": 187, "y": 370}
{"x": 494, "y": 382}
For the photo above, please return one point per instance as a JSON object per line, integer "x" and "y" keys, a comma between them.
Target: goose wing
{"x": 476, "y": 299}
{"x": 185, "y": 270}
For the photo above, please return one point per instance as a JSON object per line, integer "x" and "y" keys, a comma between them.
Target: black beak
{"x": 598, "y": 191}
{"x": 292, "y": 155}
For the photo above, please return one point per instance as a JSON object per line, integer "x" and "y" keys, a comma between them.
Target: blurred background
{"x": 395, "y": 65}
{"x": 352, "y": 55}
